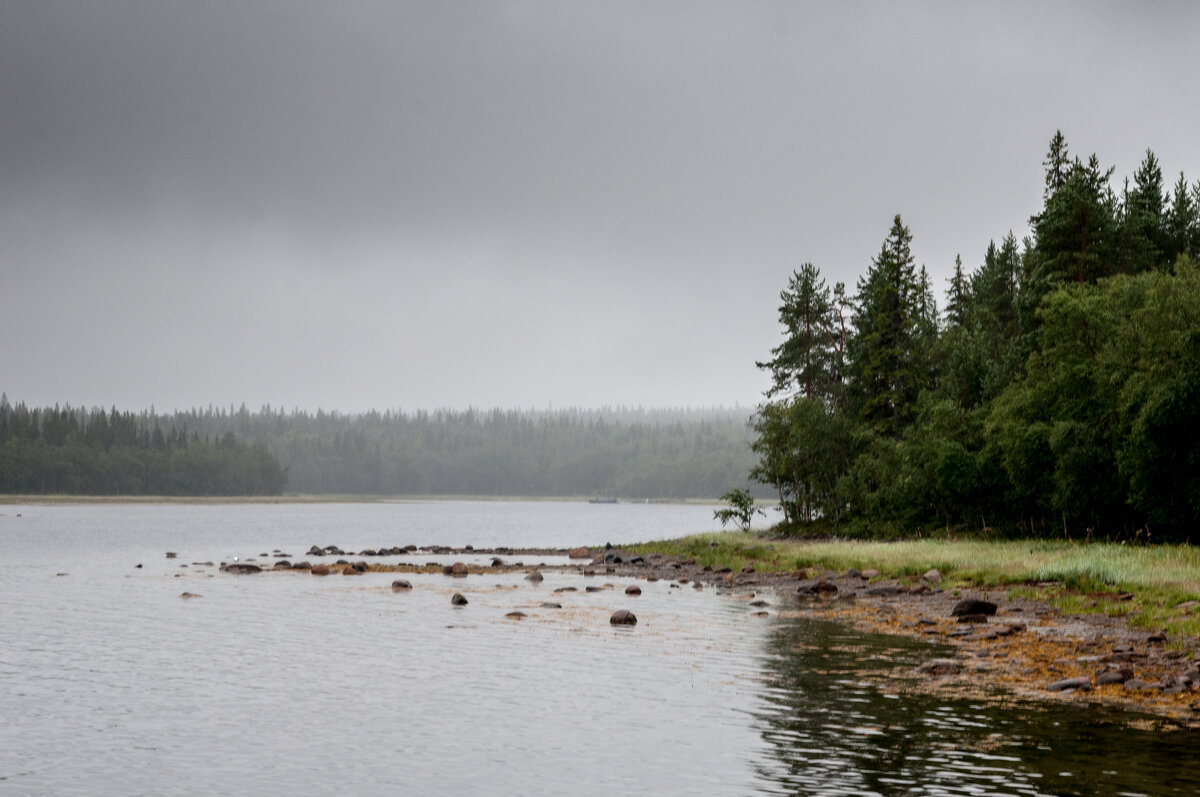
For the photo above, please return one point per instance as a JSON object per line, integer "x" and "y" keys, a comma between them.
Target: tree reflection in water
{"x": 834, "y": 726}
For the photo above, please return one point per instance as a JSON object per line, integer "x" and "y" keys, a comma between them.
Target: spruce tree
{"x": 887, "y": 364}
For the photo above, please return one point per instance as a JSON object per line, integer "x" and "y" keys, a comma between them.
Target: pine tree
{"x": 957, "y": 297}
{"x": 803, "y": 363}
{"x": 887, "y": 363}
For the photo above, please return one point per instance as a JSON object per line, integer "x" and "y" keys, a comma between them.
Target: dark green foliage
{"x": 74, "y": 451}
{"x": 1062, "y": 396}
{"x": 805, "y": 362}
{"x": 894, "y": 325}
{"x": 740, "y": 510}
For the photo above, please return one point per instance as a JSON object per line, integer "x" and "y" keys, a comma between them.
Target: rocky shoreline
{"x": 1002, "y": 646}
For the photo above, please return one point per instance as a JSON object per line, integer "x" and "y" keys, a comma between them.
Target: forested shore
{"x": 632, "y": 453}
{"x": 65, "y": 450}
{"x": 1057, "y": 395}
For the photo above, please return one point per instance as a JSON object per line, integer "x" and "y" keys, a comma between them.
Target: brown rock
{"x": 400, "y": 585}
{"x": 516, "y": 615}
{"x": 351, "y": 571}
{"x": 535, "y": 577}
{"x": 932, "y": 576}
{"x": 623, "y": 617}
{"x": 458, "y": 570}
{"x": 579, "y": 553}
{"x": 633, "y": 589}
{"x": 869, "y": 574}
{"x": 938, "y": 667}
{"x": 320, "y": 570}
{"x": 457, "y": 599}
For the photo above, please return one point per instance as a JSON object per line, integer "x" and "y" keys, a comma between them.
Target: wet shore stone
{"x": 1080, "y": 684}
{"x": 633, "y": 589}
{"x": 936, "y": 667}
{"x": 972, "y": 606}
{"x": 400, "y": 585}
{"x": 623, "y": 617}
{"x": 320, "y": 570}
{"x": 516, "y": 615}
{"x": 457, "y": 599}
{"x": 535, "y": 577}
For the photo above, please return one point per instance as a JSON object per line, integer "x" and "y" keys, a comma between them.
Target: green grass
{"x": 1075, "y": 577}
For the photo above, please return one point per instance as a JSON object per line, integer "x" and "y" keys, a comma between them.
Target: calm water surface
{"x": 282, "y": 683}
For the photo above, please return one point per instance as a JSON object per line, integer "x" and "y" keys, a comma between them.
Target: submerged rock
{"x": 457, "y": 599}
{"x": 400, "y": 585}
{"x": 623, "y": 617}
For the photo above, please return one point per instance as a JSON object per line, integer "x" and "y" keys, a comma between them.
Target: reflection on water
{"x": 284, "y": 683}
{"x": 831, "y": 733}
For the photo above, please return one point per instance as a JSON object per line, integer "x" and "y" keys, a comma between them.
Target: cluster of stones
{"x": 1118, "y": 667}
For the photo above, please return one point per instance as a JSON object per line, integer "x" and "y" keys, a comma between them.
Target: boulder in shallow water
{"x": 457, "y": 599}
{"x": 282, "y": 564}
{"x": 241, "y": 568}
{"x": 623, "y": 617}
{"x": 320, "y": 570}
{"x": 633, "y": 589}
{"x": 535, "y": 577}
{"x": 549, "y": 605}
{"x": 400, "y": 585}
{"x": 516, "y": 615}
{"x": 579, "y": 553}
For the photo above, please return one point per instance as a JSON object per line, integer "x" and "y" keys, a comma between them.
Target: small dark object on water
{"x": 592, "y": 589}
{"x": 759, "y": 603}
{"x": 633, "y": 589}
{"x": 458, "y": 600}
{"x": 320, "y": 570}
{"x": 190, "y": 595}
{"x": 623, "y": 617}
{"x": 171, "y": 554}
{"x": 535, "y": 577}
{"x": 400, "y": 585}
{"x": 549, "y": 605}
{"x": 516, "y": 615}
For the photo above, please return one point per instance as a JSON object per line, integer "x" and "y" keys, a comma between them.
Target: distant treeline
{"x": 66, "y": 450}
{"x": 1059, "y": 393}
{"x": 632, "y": 453}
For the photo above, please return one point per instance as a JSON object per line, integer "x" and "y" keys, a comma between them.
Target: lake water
{"x": 282, "y": 683}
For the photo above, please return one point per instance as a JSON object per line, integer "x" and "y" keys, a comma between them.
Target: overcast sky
{"x": 383, "y": 204}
